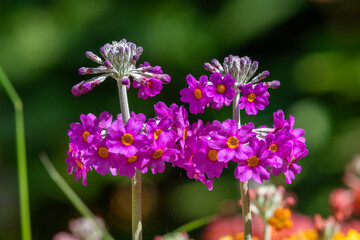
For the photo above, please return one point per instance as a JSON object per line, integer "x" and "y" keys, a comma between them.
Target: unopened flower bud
{"x": 209, "y": 67}
{"x": 260, "y": 77}
{"x": 139, "y": 50}
{"x": 165, "y": 79}
{"x": 125, "y": 81}
{"x": 93, "y": 57}
{"x": 273, "y": 84}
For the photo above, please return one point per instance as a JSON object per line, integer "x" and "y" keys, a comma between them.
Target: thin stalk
{"x": 136, "y": 200}
{"x": 21, "y": 156}
{"x": 72, "y": 196}
{"x": 267, "y": 231}
{"x": 244, "y": 186}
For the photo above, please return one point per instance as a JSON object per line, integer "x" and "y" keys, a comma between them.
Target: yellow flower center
{"x": 79, "y": 164}
{"x": 70, "y": 149}
{"x": 132, "y": 159}
{"x": 251, "y": 97}
{"x": 85, "y": 135}
{"x": 103, "y": 152}
{"x": 253, "y": 161}
{"x": 127, "y": 139}
{"x": 232, "y": 142}
{"x": 191, "y": 159}
{"x": 149, "y": 83}
{"x": 185, "y": 133}
{"x": 281, "y": 219}
{"x": 157, "y": 133}
{"x": 273, "y": 147}
{"x": 220, "y": 88}
{"x": 212, "y": 154}
{"x": 292, "y": 161}
{"x": 197, "y": 93}
{"x": 158, "y": 153}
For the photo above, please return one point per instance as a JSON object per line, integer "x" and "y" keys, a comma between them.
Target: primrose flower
{"x": 206, "y": 161}
{"x": 195, "y": 94}
{"x": 298, "y": 151}
{"x": 159, "y": 153}
{"x": 253, "y": 98}
{"x": 126, "y": 139}
{"x": 101, "y": 158}
{"x": 75, "y": 160}
{"x": 128, "y": 164}
{"x": 254, "y": 164}
{"x": 86, "y": 134}
{"x": 230, "y": 140}
{"x": 119, "y": 63}
{"x": 154, "y": 129}
{"x": 221, "y": 91}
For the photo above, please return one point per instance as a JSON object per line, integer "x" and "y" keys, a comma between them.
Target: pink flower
{"x": 254, "y": 164}
{"x": 230, "y": 140}
{"x": 253, "y": 98}
{"x": 126, "y": 139}
{"x": 195, "y": 94}
{"x": 221, "y": 92}
{"x": 75, "y": 160}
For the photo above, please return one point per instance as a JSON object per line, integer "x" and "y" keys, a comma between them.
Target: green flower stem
{"x": 190, "y": 226}
{"x": 136, "y": 200}
{"x": 21, "y": 156}
{"x": 73, "y": 197}
{"x": 244, "y": 186}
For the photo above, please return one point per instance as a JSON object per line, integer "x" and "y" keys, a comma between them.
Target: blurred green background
{"x": 312, "y": 47}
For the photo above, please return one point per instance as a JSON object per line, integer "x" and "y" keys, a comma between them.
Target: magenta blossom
{"x": 162, "y": 110}
{"x": 206, "y": 161}
{"x": 155, "y": 129}
{"x": 254, "y": 164}
{"x": 101, "y": 158}
{"x": 195, "y": 94}
{"x": 126, "y": 139}
{"x": 278, "y": 143}
{"x": 298, "y": 151}
{"x": 221, "y": 92}
{"x": 159, "y": 152}
{"x": 253, "y": 98}
{"x": 230, "y": 141}
{"x": 128, "y": 164}
{"x": 288, "y": 125}
{"x": 148, "y": 87}
{"x": 86, "y": 134}
{"x": 75, "y": 160}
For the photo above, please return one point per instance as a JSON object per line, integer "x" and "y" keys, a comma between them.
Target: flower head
{"x": 119, "y": 63}
{"x": 230, "y": 141}
{"x": 195, "y": 94}
{"x": 221, "y": 91}
{"x": 253, "y": 98}
{"x": 254, "y": 164}
{"x": 126, "y": 139}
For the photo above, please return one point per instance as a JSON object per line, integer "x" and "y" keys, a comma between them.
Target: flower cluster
{"x": 203, "y": 150}
{"x": 235, "y": 75}
{"x": 120, "y": 59}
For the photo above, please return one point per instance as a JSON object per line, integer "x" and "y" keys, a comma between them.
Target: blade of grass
{"x": 194, "y": 224}
{"x": 72, "y": 196}
{"x": 21, "y": 156}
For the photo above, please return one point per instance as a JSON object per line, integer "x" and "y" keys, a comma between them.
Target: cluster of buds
{"x": 119, "y": 63}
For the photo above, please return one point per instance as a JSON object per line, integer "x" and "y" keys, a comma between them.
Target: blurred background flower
{"x": 312, "y": 46}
